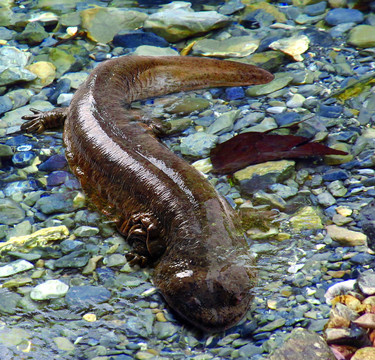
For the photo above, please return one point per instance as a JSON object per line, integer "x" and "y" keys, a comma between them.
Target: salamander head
{"x": 212, "y": 299}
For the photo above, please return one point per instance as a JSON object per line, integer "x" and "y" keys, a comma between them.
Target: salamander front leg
{"x": 145, "y": 234}
{"x": 44, "y": 120}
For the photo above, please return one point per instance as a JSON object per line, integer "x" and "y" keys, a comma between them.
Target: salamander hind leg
{"x": 144, "y": 233}
{"x": 40, "y": 121}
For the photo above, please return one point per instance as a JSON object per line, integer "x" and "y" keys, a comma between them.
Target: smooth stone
{"x": 366, "y": 321}
{"x": 187, "y": 105}
{"x": 273, "y": 325}
{"x": 337, "y": 188}
{"x": 339, "y": 289}
{"x": 86, "y": 296}
{"x": 366, "y": 282}
{"x": 330, "y": 111}
{"x": 260, "y": 176}
{"x": 86, "y": 231}
{"x": 76, "y": 79}
{"x": 5, "y": 104}
{"x": 59, "y": 202}
{"x": 316, "y": 9}
{"x": 295, "y": 101}
{"x": 33, "y": 34}
{"x": 12, "y": 66}
{"x": 176, "y": 25}
{"x": 346, "y": 237}
{"x": 335, "y": 174}
{"x": 326, "y": 199}
{"x": 287, "y": 118}
{"x": 147, "y": 50}
{"x": 133, "y": 39}
{"x": 164, "y": 330}
{"x": 10, "y": 212}
{"x": 362, "y": 36}
{"x": 257, "y": 18}
{"x": 14, "y": 117}
{"x": 15, "y": 267}
{"x": 293, "y": 46}
{"x": 53, "y": 163}
{"x": 115, "y": 260}
{"x": 303, "y": 344}
{"x": 280, "y": 81}
{"x": 37, "y": 238}
{"x": 198, "y": 144}
{"x": 366, "y": 353}
{"x": 268, "y": 8}
{"x": 339, "y": 16}
{"x": 9, "y": 301}
{"x": 51, "y": 289}
{"x": 23, "y": 158}
{"x": 284, "y": 191}
{"x": 239, "y": 46}
{"x": 102, "y": 24}
{"x": 224, "y": 123}
{"x": 20, "y": 97}
{"x": 306, "y": 218}
{"x": 63, "y": 343}
{"x": 75, "y": 259}
{"x": 234, "y": 93}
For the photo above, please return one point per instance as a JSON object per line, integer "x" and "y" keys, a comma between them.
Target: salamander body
{"x": 171, "y": 215}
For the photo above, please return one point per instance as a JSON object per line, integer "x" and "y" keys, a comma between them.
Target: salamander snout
{"x": 211, "y": 299}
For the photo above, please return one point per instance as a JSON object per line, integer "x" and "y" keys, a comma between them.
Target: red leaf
{"x": 256, "y": 147}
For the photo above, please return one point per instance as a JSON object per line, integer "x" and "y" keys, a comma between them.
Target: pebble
{"x": 102, "y": 24}
{"x": 239, "y": 46}
{"x": 281, "y": 80}
{"x": 339, "y": 16}
{"x": 176, "y": 25}
{"x": 346, "y": 237}
{"x": 293, "y": 46}
{"x": 362, "y": 36}
{"x": 260, "y": 176}
{"x": 15, "y": 268}
{"x": 198, "y": 144}
{"x": 51, "y": 289}
{"x": 307, "y": 218}
{"x": 83, "y": 297}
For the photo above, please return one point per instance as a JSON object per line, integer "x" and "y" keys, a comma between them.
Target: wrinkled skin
{"x": 169, "y": 212}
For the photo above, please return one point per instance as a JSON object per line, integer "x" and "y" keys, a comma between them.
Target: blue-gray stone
{"x": 234, "y": 93}
{"x": 318, "y": 38}
{"x": 10, "y": 212}
{"x": 20, "y": 186}
{"x": 6, "y": 34}
{"x": 5, "y": 104}
{"x": 198, "y": 144}
{"x": 335, "y": 174}
{"x": 258, "y": 18}
{"x": 75, "y": 259}
{"x": 330, "y": 111}
{"x": 63, "y": 86}
{"x": 287, "y": 118}
{"x": 55, "y": 203}
{"x": 67, "y": 246}
{"x": 55, "y": 162}
{"x": 17, "y": 140}
{"x": 86, "y": 296}
{"x": 133, "y": 39}
{"x": 315, "y": 9}
{"x": 362, "y": 259}
{"x": 57, "y": 178}
{"x": 340, "y": 15}
{"x": 23, "y": 158}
